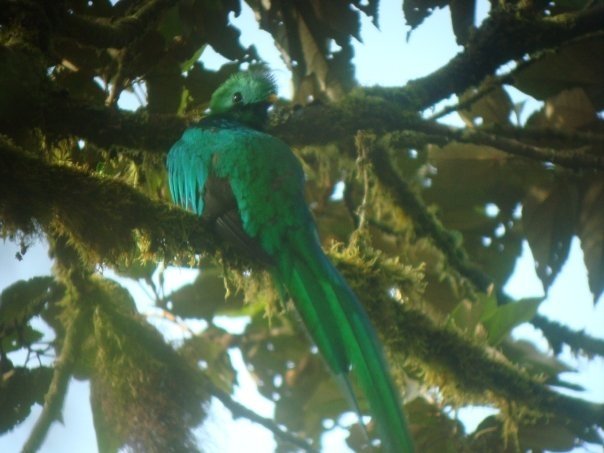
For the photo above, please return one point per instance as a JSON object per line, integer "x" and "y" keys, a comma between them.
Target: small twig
{"x": 238, "y": 410}
{"x": 364, "y": 142}
{"x": 58, "y": 385}
{"x": 489, "y": 85}
{"x": 119, "y": 81}
{"x": 569, "y": 158}
{"x": 554, "y": 137}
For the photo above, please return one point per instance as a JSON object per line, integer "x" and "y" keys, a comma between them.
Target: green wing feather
{"x": 267, "y": 182}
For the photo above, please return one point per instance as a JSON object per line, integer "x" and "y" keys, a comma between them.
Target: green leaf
{"x": 209, "y": 350}
{"x": 549, "y": 218}
{"x": 493, "y": 108}
{"x": 570, "y": 110}
{"x": 468, "y": 314}
{"x": 570, "y": 67}
{"x": 206, "y": 295}
{"x": 20, "y": 388}
{"x": 500, "y": 322}
{"x": 590, "y": 228}
{"x": 535, "y": 361}
{"x": 546, "y": 436}
{"x": 188, "y": 64}
{"x": 433, "y": 430}
{"x": 23, "y": 299}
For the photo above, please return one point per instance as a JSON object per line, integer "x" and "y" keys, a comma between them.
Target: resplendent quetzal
{"x": 250, "y": 186}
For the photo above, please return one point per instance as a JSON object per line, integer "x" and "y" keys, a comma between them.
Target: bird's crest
{"x": 244, "y": 94}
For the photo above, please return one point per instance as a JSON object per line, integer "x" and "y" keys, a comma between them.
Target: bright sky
{"x": 396, "y": 62}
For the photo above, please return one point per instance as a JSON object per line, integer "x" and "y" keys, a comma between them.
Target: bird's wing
{"x": 188, "y": 166}
{"x": 195, "y": 186}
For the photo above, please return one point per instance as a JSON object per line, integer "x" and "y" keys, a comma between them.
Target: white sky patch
{"x": 338, "y": 191}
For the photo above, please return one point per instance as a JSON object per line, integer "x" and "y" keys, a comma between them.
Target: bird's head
{"x": 245, "y": 97}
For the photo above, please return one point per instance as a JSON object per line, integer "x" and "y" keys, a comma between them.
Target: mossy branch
{"x": 512, "y": 35}
{"x": 107, "y": 127}
{"x": 464, "y": 369}
{"x": 321, "y": 124}
{"x": 104, "y": 218}
{"x": 113, "y": 33}
{"x": 58, "y": 386}
{"x": 32, "y": 190}
{"x": 426, "y": 224}
{"x": 576, "y": 159}
{"x": 60, "y": 116}
{"x": 463, "y": 366}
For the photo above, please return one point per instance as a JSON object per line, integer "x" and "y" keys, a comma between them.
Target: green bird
{"x": 250, "y": 186}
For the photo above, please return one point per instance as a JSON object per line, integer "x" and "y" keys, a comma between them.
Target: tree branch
{"x": 58, "y": 386}
{"x": 104, "y": 33}
{"x": 316, "y": 124}
{"x": 570, "y": 158}
{"x": 323, "y": 124}
{"x": 454, "y": 362}
{"x": 32, "y": 190}
{"x": 102, "y": 216}
{"x": 427, "y": 225}
{"x": 512, "y": 35}
{"x": 238, "y": 410}
{"x": 554, "y": 138}
{"x": 108, "y": 127}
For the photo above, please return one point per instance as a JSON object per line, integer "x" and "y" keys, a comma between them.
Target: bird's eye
{"x": 237, "y": 97}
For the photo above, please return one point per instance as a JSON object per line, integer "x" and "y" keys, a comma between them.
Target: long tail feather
{"x": 340, "y": 328}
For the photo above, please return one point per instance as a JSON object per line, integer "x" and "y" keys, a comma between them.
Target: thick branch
{"x": 318, "y": 124}
{"x": 105, "y": 33}
{"x": 109, "y": 127}
{"x": 102, "y": 215}
{"x": 322, "y": 124}
{"x": 449, "y": 359}
{"x": 504, "y": 36}
{"x": 31, "y": 189}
